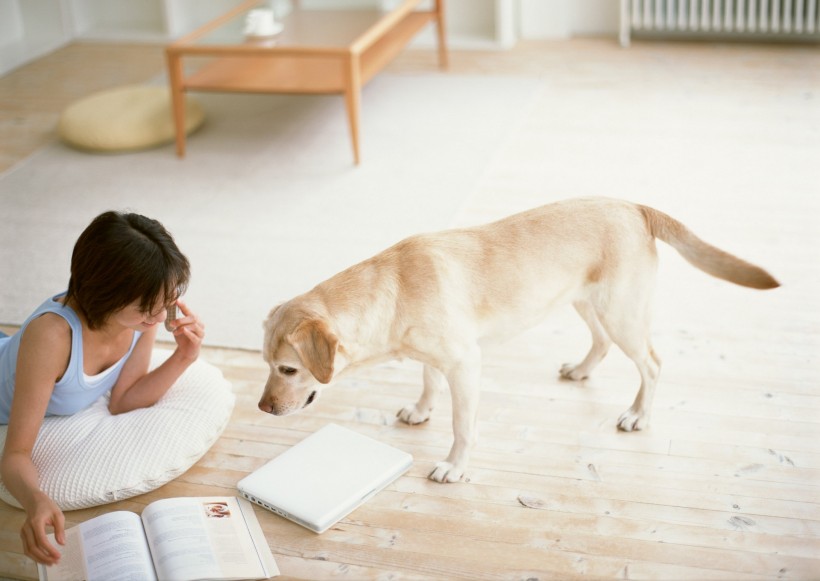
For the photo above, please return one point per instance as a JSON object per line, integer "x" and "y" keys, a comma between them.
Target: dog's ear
{"x": 316, "y": 346}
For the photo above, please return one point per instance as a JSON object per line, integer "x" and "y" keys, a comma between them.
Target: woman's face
{"x": 134, "y": 318}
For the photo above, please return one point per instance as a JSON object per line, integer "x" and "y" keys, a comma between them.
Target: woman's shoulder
{"x": 50, "y": 329}
{"x": 46, "y": 346}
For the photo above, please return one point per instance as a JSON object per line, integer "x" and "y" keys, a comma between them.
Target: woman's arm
{"x": 136, "y": 388}
{"x": 45, "y": 349}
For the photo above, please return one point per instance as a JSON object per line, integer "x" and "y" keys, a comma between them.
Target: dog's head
{"x": 301, "y": 350}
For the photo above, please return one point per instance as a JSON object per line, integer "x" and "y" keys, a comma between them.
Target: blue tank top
{"x": 73, "y": 392}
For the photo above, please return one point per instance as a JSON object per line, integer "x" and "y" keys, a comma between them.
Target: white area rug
{"x": 267, "y": 202}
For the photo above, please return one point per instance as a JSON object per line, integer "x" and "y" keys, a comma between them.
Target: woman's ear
{"x": 316, "y": 347}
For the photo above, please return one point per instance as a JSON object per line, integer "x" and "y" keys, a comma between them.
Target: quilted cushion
{"x": 125, "y": 119}
{"x": 94, "y": 458}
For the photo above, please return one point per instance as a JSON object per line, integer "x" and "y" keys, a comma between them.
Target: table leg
{"x": 441, "y": 25}
{"x": 353, "y": 91}
{"x": 177, "y": 100}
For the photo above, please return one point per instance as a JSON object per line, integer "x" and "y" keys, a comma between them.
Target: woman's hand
{"x": 41, "y": 514}
{"x": 139, "y": 388}
{"x": 189, "y": 332}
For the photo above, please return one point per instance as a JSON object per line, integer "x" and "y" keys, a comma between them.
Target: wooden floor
{"x": 724, "y": 485}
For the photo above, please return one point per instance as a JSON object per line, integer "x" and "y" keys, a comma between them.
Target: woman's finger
{"x": 59, "y": 527}
{"x": 183, "y": 306}
{"x": 37, "y": 552}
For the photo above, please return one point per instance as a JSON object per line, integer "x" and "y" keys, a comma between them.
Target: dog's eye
{"x": 284, "y": 370}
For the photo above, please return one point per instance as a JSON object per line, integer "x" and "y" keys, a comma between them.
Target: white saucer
{"x": 277, "y": 29}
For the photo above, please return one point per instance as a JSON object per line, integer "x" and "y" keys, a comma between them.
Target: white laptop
{"x": 325, "y": 477}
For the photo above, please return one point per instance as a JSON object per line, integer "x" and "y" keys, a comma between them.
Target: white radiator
{"x": 773, "y": 18}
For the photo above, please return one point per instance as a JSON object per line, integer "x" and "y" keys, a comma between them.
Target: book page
{"x": 106, "y": 548}
{"x": 260, "y": 543}
{"x": 194, "y": 538}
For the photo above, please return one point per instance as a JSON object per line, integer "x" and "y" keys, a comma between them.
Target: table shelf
{"x": 278, "y": 73}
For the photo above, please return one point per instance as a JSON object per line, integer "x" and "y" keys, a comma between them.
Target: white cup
{"x": 260, "y": 22}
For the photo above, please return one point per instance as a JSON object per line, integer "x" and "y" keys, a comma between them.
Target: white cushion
{"x": 125, "y": 119}
{"x": 94, "y": 458}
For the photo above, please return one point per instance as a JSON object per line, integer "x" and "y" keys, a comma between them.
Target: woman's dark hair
{"x": 122, "y": 258}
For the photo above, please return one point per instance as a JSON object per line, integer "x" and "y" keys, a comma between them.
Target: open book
{"x": 176, "y": 538}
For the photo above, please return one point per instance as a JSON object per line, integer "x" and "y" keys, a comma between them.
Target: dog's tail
{"x": 704, "y": 256}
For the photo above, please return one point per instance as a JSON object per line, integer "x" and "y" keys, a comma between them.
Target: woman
{"x": 94, "y": 339}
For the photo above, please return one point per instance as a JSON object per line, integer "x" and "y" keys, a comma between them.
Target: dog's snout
{"x": 278, "y": 406}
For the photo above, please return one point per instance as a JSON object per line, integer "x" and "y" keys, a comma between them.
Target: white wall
{"x": 487, "y": 24}
{"x": 11, "y": 23}
{"x": 554, "y": 19}
{"x": 500, "y": 23}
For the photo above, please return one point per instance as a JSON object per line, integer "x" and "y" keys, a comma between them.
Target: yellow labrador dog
{"x": 436, "y": 298}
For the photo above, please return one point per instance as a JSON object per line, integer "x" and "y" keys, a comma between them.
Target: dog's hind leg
{"x": 649, "y": 366}
{"x": 434, "y": 383}
{"x": 600, "y": 344}
{"x": 629, "y": 330}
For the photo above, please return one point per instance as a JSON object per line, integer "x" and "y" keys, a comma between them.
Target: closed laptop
{"x": 325, "y": 477}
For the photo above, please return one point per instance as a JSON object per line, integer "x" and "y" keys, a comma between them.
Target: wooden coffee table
{"x": 319, "y": 51}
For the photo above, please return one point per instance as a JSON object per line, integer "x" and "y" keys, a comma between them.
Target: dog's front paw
{"x": 573, "y": 372}
{"x": 446, "y": 472}
{"x": 632, "y": 420}
{"x": 412, "y": 415}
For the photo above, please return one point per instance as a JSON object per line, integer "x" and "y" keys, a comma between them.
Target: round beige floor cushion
{"x": 93, "y": 458}
{"x": 125, "y": 119}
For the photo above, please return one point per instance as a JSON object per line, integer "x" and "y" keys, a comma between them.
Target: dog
{"x": 438, "y": 297}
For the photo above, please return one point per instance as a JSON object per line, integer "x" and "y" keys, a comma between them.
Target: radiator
{"x": 797, "y": 19}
